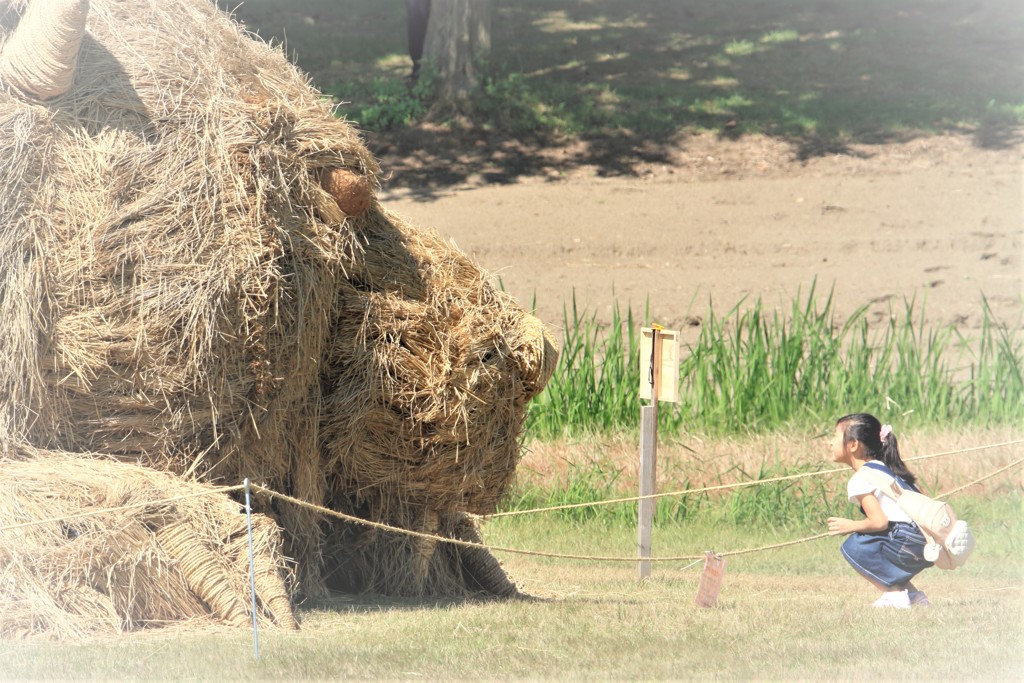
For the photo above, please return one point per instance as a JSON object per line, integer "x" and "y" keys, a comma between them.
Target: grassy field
{"x": 796, "y": 612}
{"x": 792, "y": 613}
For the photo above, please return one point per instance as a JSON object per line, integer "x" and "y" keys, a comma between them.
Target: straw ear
{"x": 39, "y": 58}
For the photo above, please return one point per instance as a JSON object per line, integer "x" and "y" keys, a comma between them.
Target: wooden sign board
{"x": 668, "y": 387}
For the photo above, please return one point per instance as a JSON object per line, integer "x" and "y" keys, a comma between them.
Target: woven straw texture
{"x": 138, "y": 562}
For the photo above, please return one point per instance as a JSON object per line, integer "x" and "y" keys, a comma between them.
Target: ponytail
{"x": 890, "y": 455}
{"x": 866, "y": 428}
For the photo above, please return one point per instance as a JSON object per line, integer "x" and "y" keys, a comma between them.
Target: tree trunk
{"x": 458, "y": 44}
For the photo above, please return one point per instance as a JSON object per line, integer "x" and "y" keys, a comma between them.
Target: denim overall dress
{"x": 893, "y": 556}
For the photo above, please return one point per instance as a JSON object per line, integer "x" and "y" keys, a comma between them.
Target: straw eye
{"x": 497, "y": 350}
{"x": 350, "y": 190}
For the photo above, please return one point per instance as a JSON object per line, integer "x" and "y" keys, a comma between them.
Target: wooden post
{"x": 648, "y": 445}
{"x": 648, "y": 461}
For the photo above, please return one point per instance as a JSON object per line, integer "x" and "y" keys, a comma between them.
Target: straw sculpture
{"x": 197, "y": 278}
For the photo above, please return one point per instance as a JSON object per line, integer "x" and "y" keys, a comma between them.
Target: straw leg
{"x": 480, "y": 568}
{"x": 425, "y": 548}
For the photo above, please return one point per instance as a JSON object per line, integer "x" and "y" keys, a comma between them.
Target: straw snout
{"x": 535, "y": 352}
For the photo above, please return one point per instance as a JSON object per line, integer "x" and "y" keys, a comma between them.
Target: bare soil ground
{"x": 937, "y": 219}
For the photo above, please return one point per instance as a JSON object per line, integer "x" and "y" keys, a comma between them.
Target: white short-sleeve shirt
{"x": 858, "y": 486}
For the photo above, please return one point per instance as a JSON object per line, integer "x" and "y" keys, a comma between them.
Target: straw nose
{"x": 536, "y": 354}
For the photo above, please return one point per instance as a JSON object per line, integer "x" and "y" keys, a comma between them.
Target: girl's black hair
{"x": 868, "y": 430}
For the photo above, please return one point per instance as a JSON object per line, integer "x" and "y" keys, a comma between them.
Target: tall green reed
{"x": 594, "y": 388}
{"x": 757, "y": 370}
{"x": 996, "y": 382}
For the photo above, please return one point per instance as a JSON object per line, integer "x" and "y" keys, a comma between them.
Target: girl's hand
{"x": 840, "y": 525}
{"x": 875, "y": 520}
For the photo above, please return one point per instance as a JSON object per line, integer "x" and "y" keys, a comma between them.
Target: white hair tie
{"x": 886, "y": 431}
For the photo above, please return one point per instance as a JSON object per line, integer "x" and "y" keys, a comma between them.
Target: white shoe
{"x": 918, "y": 599}
{"x": 897, "y": 599}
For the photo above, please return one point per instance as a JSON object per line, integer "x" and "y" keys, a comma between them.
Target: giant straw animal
{"x": 197, "y": 279}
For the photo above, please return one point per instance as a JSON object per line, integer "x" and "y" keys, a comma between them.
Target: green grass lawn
{"x": 793, "y": 613}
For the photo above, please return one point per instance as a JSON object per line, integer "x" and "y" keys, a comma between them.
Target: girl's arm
{"x": 875, "y": 519}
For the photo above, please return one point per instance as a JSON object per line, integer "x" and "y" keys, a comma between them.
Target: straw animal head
{"x": 431, "y": 369}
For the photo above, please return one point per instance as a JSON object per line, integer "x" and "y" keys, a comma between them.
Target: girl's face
{"x": 840, "y": 451}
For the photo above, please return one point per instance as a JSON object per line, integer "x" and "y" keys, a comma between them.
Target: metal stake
{"x": 252, "y": 574}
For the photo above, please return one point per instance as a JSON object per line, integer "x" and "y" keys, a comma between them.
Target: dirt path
{"x": 936, "y": 218}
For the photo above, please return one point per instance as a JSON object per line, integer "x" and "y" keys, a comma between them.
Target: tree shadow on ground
{"x": 616, "y": 85}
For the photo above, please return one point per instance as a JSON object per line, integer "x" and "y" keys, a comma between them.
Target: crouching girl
{"x": 886, "y": 547}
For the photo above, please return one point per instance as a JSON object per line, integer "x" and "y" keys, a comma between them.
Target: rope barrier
{"x": 494, "y": 548}
{"x": 600, "y": 558}
{"x": 773, "y": 546}
{"x": 978, "y": 481}
{"x": 666, "y": 494}
{"x": 965, "y": 450}
{"x": 518, "y": 551}
{"x": 724, "y": 487}
{"x": 443, "y": 539}
{"x": 248, "y": 487}
{"x": 105, "y": 511}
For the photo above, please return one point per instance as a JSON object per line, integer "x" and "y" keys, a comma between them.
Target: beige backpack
{"x": 949, "y": 540}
